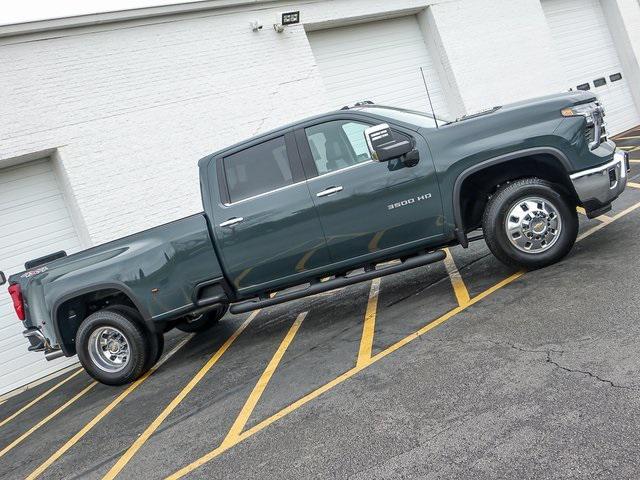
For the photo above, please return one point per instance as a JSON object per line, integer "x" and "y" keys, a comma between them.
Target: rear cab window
{"x": 257, "y": 170}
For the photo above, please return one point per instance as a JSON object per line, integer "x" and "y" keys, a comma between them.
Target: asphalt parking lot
{"x": 458, "y": 369}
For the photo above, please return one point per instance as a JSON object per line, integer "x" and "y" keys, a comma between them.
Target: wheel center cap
{"x": 113, "y": 347}
{"x": 538, "y": 226}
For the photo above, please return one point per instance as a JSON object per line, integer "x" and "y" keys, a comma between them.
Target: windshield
{"x": 420, "y": 119}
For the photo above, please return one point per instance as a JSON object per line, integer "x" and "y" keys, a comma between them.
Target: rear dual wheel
{"x": 530, "y": 223}
{"x": 114, "y": 348}
{"x": 203, "y": 322}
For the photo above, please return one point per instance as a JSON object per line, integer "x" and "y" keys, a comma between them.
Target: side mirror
{"x": 3, "y": 278}
{"x": 382, "y": 146}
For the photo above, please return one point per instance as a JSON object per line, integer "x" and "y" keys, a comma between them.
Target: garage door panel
{"x": 21, "y": 172}
{"x": 11, "y": 326}
{"x": 35, "y": 216}
{"x": 30, "y": 184}
{"x": 68, "y": 244}
{"x": 35, "y": 221}
{"x": 19, "y": 242}
{"x": 23, "y": 373}
{"x": 587, "y": 52}
{"x": 378, "y": 61}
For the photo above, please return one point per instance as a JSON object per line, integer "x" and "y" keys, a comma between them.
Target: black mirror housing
{"x": 3, "y": 278}
{"x": 382, "y": 146}
{"x": 394, "y": 150}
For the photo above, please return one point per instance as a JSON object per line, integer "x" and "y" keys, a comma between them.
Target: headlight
{"x": 587, "y": 110}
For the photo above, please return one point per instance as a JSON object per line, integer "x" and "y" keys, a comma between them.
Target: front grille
{"x": 590, "y": 133}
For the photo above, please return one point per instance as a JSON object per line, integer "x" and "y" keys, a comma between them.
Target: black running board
{"x": 339, "y": 282}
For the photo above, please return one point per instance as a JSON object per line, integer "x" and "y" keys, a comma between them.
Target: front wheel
{"x": 530, "y": 224}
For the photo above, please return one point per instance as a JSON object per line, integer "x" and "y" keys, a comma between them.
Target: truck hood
{"x": 556, "y": 101}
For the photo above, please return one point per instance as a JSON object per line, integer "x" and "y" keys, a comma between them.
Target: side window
{"x": 258, "y": 169}
{"x": 337, "y": 145}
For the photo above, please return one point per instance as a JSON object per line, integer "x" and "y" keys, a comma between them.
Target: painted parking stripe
{"x": 602, "y": 225}
{"x": 260, "y": 386}
{"x": 603, "y": 218}
{"x": 83, "y": 431}
{"x": 335, "y": 382}
{"x": 459, "y": 288}
{"x": 46, "y": 419}
{"x": 350, "y": 373}
{"x": 633, "y": 184}
{"x": 40, "y": 397}
{"x": 141, "y": 440}
{"x": 369, "y": 324}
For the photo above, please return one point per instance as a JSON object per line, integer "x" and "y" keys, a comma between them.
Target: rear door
{"x": 266, "y": 226}
{"x": 368, "y": 207}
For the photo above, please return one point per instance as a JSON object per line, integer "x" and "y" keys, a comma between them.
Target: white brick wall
{"x": 498, "y": 50}
{"x": 131, "y": 107}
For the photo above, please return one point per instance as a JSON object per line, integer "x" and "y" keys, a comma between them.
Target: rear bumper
{"x": 38, "y": 343}
{"x": 597, "y": 187}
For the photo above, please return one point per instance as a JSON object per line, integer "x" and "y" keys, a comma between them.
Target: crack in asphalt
{"x": 548, "y": 352}
{"x": 548, "y": 359}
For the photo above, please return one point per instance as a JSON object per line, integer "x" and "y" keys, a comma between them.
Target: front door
{"x": 265, "y": 222}
{"x": 367, "y": 208}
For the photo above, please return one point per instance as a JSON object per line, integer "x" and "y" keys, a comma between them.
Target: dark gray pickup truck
{"x": 320, "y": 204}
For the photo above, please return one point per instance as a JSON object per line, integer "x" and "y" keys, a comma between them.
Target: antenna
{"x": 429, "y": 97}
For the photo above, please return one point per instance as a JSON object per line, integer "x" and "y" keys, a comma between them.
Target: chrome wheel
{"x": 533, "y": 225}
{"x": 109, "y": 349}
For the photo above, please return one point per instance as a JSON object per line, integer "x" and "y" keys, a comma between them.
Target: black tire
{"x": 494, "y": 224}
{"x": 136, "y": 338}
{"x": 156, "y": 341}
{"x": 204, "y": 321}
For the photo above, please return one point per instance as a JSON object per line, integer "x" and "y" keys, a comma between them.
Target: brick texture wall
{"x": 130, "y": 108}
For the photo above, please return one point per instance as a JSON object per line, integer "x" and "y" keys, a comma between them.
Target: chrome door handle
{"x": 232, "y": 221}
{"x": 329, "y": 191}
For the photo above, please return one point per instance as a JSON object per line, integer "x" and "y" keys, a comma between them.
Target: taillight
{"x": 16, "y": 296}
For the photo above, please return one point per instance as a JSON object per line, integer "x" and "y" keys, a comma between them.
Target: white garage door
{"x": 587, "y": 53}
{"x": 378, "y": 61}
{"x": 34, "y": 221}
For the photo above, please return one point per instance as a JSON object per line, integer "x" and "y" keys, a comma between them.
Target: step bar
{"x": 339, "y": 282}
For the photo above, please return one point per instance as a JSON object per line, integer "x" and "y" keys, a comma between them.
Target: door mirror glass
{"x": 3, "y": 279}
{"x": 382, "y": 145}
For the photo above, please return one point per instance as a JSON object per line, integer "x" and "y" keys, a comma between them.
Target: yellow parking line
{"x": 602, "y": 218}
{"x": 350, "y": 373}
{"x": 459, "y": 288}
{"x": 633, "y": 184}
{"x": 37, "y": 399}
{"x": 634, "y": 160}
{"x": 46, "y": 419}
{"x": 593, "y": 230}
{"x": 628, "y": 138}
{"x": 261, "y": 385}
{"x": 140, "y": 441}
{"x": 336, "y": 381}
{"x": 83, "y": 431}
{"x": 369, "y": 326}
